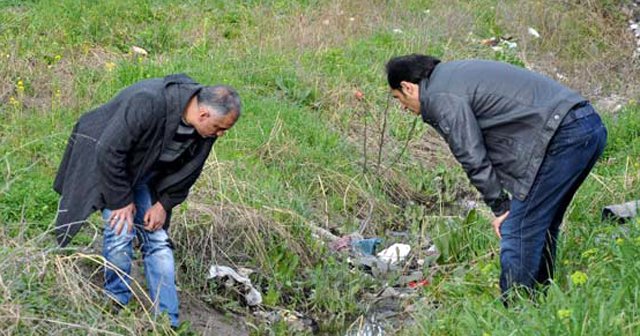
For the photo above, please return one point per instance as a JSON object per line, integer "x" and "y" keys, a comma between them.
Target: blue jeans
{"x": 530, "y": 232}
{"x": 157, "y": 254}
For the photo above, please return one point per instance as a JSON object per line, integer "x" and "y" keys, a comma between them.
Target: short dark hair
{"x": 223, "y": 99}
{"x": 409, "y": 68}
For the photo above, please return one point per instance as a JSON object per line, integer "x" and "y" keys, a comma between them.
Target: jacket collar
{"x": 422, "y": 86}
{"x": 179, "y": 89}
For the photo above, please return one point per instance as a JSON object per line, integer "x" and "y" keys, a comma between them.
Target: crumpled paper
{"x": 251, "y": 295}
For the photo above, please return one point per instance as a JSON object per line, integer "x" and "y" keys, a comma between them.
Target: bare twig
{"x": 383, "y": 131}
{"x": 404, "y": 148}
{"x": 364, "y": 143}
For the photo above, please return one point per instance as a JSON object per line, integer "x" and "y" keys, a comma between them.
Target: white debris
{"x": 397, "y": 31}
{"x": 510, "y": 45}
{"x": 533, "y": 32}
{"x": 365, "y": 326}
{"x": 394, "y": 253}
{"x": 251, "y": 295}
{"x": 139, "y": 51}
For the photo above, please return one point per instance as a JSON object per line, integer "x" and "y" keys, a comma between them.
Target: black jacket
{"x": 498, "y": 120}
{"x": 113, "y": 146}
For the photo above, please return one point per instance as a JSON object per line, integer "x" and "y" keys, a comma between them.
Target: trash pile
{"x": 239, "y": 282}
{"x": 402, "y": 270}
{"x": 500, "y": 43}
{"x": 362, "y": 254}
{"x": 297, "y": 322}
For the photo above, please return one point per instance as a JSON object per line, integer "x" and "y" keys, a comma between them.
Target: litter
{"x": 297, "y": 322}
{"x": 421, "y": 283}
{"x": 344, "y": 242}
{"x": 139, "y": 51}
{"x": 366, "y": 246}
{"x": 251, "y": 295}
{"x": 394, "y": 253}
{"x": 365, "y": 326}
{"x": 621, "y": 212}
{"x": 415, "y": 276}
{"x": 354, "y": 242}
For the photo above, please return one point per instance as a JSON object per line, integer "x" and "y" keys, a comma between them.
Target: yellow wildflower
{"x": 564, "y": 313}
{"x": 13, "y": 101}
{"x": 579, "y": 278}
{"x": 619, "y": 241}
{"x": 20, "y": 86}
{"x": 57, "y": 58}
{"x": 109, "y": 66}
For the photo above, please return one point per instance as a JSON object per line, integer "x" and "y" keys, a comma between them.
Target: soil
{"x": 207, "y": 320}
{"x": 204, "y": 319}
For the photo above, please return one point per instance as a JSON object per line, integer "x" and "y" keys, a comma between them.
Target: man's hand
{"x": 119, "y": 218}
{"x": 155, "y": 217}
{"x": 497, "y": 222}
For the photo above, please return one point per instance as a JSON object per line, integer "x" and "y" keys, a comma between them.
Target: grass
{"x": 295, "y": 159}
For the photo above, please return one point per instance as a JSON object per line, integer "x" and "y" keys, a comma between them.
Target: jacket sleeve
{"x": 457, "y": 123}
{"x": 119, "y": 137}
{"x": 174, "y": 188}
{"x": 178, "y": 193}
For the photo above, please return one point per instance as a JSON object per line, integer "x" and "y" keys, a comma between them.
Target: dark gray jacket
{"x": 113, "y": 146}
{"x": 498, "y": 120}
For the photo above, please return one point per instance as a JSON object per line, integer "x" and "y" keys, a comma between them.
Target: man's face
{"x": 212, "y": 124}
{"x": 408, "y": 97}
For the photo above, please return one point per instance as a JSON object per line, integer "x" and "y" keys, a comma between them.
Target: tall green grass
{"x": 296, "y": 158}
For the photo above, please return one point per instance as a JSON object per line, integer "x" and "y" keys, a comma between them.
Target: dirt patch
{"x": 209, "y": 321}
{"x": 203, "y": 318}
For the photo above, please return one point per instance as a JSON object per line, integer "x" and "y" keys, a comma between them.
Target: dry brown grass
{"x": 39, "y": 284}
{"x": 232, "y": 234}
{"x": 582, "y": 45}
{"x": 52, "y": 84}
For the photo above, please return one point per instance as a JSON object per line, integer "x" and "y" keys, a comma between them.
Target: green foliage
{"x": 295, "y": 159}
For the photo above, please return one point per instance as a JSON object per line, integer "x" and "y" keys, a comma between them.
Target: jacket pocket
{"x": 442, "y": 127}
{"x": 505, "y": 154}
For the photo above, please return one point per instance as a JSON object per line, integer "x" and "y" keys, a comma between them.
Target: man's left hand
{"x": 155, "y": 217}
{"x": 497, "y": 222}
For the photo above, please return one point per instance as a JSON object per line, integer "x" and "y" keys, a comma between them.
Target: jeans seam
{"x": 525, "y": 215}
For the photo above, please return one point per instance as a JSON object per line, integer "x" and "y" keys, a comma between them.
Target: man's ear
{"x": 406, "y": 88}
{"x": 203, "y": 113}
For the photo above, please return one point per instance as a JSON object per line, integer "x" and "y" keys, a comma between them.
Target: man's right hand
{"x": 119, "y": 218}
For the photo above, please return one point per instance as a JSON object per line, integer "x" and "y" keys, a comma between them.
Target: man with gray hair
{"x": 135, "y": 158}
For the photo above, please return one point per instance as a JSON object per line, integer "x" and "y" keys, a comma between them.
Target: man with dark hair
{"x": 513, "y": 131}
{"x": 135, "y": 158}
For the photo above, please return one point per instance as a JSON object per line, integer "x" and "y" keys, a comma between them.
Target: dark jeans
{"x": 530, "y": 232}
